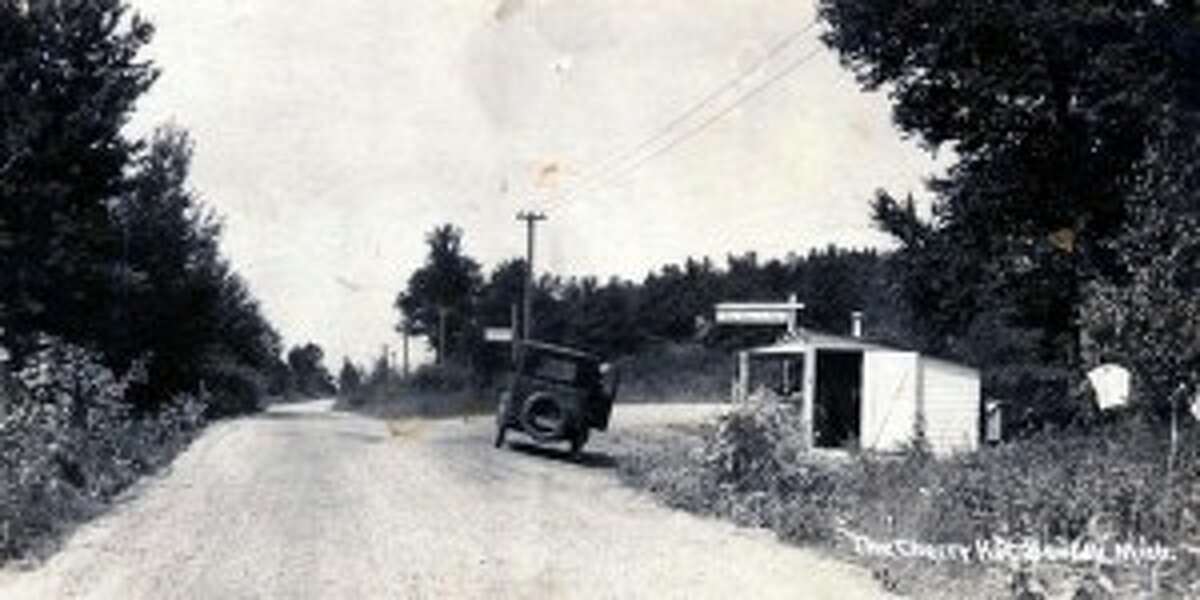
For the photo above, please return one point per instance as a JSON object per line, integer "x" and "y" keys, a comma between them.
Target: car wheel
{"x": 544, "y": 418}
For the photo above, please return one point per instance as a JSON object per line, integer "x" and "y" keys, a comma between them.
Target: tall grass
{"x": 675, "y": 372}
{"x": 1108, "y": 484}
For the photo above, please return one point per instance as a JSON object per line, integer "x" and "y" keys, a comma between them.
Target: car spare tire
{"x": 544, "y": 417}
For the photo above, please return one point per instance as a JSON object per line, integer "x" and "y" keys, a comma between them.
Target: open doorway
{"x": 838, "y": 407}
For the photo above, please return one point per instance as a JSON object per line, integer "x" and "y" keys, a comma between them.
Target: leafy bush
{"x": 756, "y": 448}
{"x": 753, "y": 468}
{"x": 69, "y": 444}
{"x": 232, "y": 389}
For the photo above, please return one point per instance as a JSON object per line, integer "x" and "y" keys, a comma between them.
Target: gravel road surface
{"x": 306, "y": 502}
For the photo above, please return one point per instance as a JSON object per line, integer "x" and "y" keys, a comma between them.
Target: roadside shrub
{"x": 752, "y": 468}
{"x": 756, "y": 447}
{"x": 69, "y": 444}
{"x": 759, "y": 459}
{"x": 232, "y": 389}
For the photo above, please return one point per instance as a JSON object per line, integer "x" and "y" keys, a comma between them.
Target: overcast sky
{"x": 332, "y": 135}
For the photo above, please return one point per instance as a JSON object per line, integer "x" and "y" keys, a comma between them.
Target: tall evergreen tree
{"x": 69, "y": 77}
{"x": 350, "y": 378}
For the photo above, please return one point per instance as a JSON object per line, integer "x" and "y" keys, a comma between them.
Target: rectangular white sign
{"x": 498, "y": 334}
{"x": 752, "y": 317}
{"x": 757, "y": 313}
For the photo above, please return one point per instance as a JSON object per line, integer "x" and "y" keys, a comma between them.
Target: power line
{"x": 615, "y": 159}
{"x": 699, "y": 128}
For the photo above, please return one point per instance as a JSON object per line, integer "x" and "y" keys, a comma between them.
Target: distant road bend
{"x": 305, "y": 502}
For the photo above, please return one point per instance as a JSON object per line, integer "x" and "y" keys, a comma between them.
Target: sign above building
{"x": 759, "y": 313}
{"x": 736, "y": 315}
{"x": 498, "y": 334}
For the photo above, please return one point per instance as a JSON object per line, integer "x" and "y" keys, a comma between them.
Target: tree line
{"x": 103, "y": 243}
{"x": 450, "y": 300}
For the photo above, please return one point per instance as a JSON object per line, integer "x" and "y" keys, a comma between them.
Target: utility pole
{"x": 441, "y": 345}
{"x": 405, "y": 371}
{"x": 531, "y": 219}
{"x": 512, "y": 328}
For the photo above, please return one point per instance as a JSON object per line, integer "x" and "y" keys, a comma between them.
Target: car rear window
{"x": 555, "y": 369}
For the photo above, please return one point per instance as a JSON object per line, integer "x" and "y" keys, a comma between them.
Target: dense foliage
{"x": 1064, "y": 119}
{"x": 311, "y": 378}
{"x": 69, "y": 443}
{"x": 439, "y": 298}
{"x": 69, "y": 77}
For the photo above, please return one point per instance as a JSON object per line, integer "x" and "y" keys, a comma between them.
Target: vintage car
{"x": 556, "y": 394}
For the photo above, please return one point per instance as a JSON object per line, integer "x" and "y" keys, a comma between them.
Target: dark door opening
{"x": 838, "y": 407}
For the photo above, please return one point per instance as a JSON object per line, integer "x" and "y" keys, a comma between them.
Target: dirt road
{"x": 305, "y": 502}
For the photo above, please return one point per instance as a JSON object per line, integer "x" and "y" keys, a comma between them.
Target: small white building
{"x": 867, "y": 394}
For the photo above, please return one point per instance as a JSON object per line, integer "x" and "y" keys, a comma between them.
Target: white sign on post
{"x": 733, "y": 317}
{"x": 1111, "y": 382}
{"x": 758, "y": 313}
